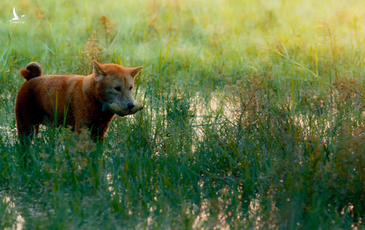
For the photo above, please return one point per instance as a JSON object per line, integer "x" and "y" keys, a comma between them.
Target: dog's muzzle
{"x": 117, "y": 109}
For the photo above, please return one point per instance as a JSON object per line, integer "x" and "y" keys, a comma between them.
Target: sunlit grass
{"x": 253, "y": 116}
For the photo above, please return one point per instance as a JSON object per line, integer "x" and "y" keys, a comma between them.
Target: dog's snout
{"x": 130, "y": 106}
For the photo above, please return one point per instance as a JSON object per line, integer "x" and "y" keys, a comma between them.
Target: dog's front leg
{"x": 98, "y": 133}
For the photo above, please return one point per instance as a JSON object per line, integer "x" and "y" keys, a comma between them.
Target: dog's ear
{"x": 98, "y": 72}
{"x": 135, "y": 71}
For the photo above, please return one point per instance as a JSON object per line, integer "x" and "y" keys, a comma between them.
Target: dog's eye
{"x": 131, "y": 88}
{"x": 118, "y": 89}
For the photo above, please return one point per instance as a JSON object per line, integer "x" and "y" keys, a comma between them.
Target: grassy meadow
{"x": 253, "y": 118}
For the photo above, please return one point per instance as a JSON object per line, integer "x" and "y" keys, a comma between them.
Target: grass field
{"x": 253, "y": 116}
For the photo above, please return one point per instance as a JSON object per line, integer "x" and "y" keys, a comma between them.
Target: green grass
{"x": 253, "y": 116}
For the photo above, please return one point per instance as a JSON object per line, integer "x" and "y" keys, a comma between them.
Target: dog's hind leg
{"x": 36, "y": 129}
{"x": 28, "y": 116}
{"x": 25, "y": 132}
{"x": 27, "y": 126}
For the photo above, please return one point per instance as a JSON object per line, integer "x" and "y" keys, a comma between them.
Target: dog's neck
{"x": 89, "y": 88}
{"x": 91, "y": 95}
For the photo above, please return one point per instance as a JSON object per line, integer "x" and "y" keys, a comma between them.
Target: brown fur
{"x": 73, "y": 99}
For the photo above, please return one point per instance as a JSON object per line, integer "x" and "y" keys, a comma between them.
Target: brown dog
{"x": 73, "y": 100}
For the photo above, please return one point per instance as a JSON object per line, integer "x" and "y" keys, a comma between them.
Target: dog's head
{"x": 115, "y": 85}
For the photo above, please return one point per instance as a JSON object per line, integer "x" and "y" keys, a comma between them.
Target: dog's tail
{"x": 32, "y": 70}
